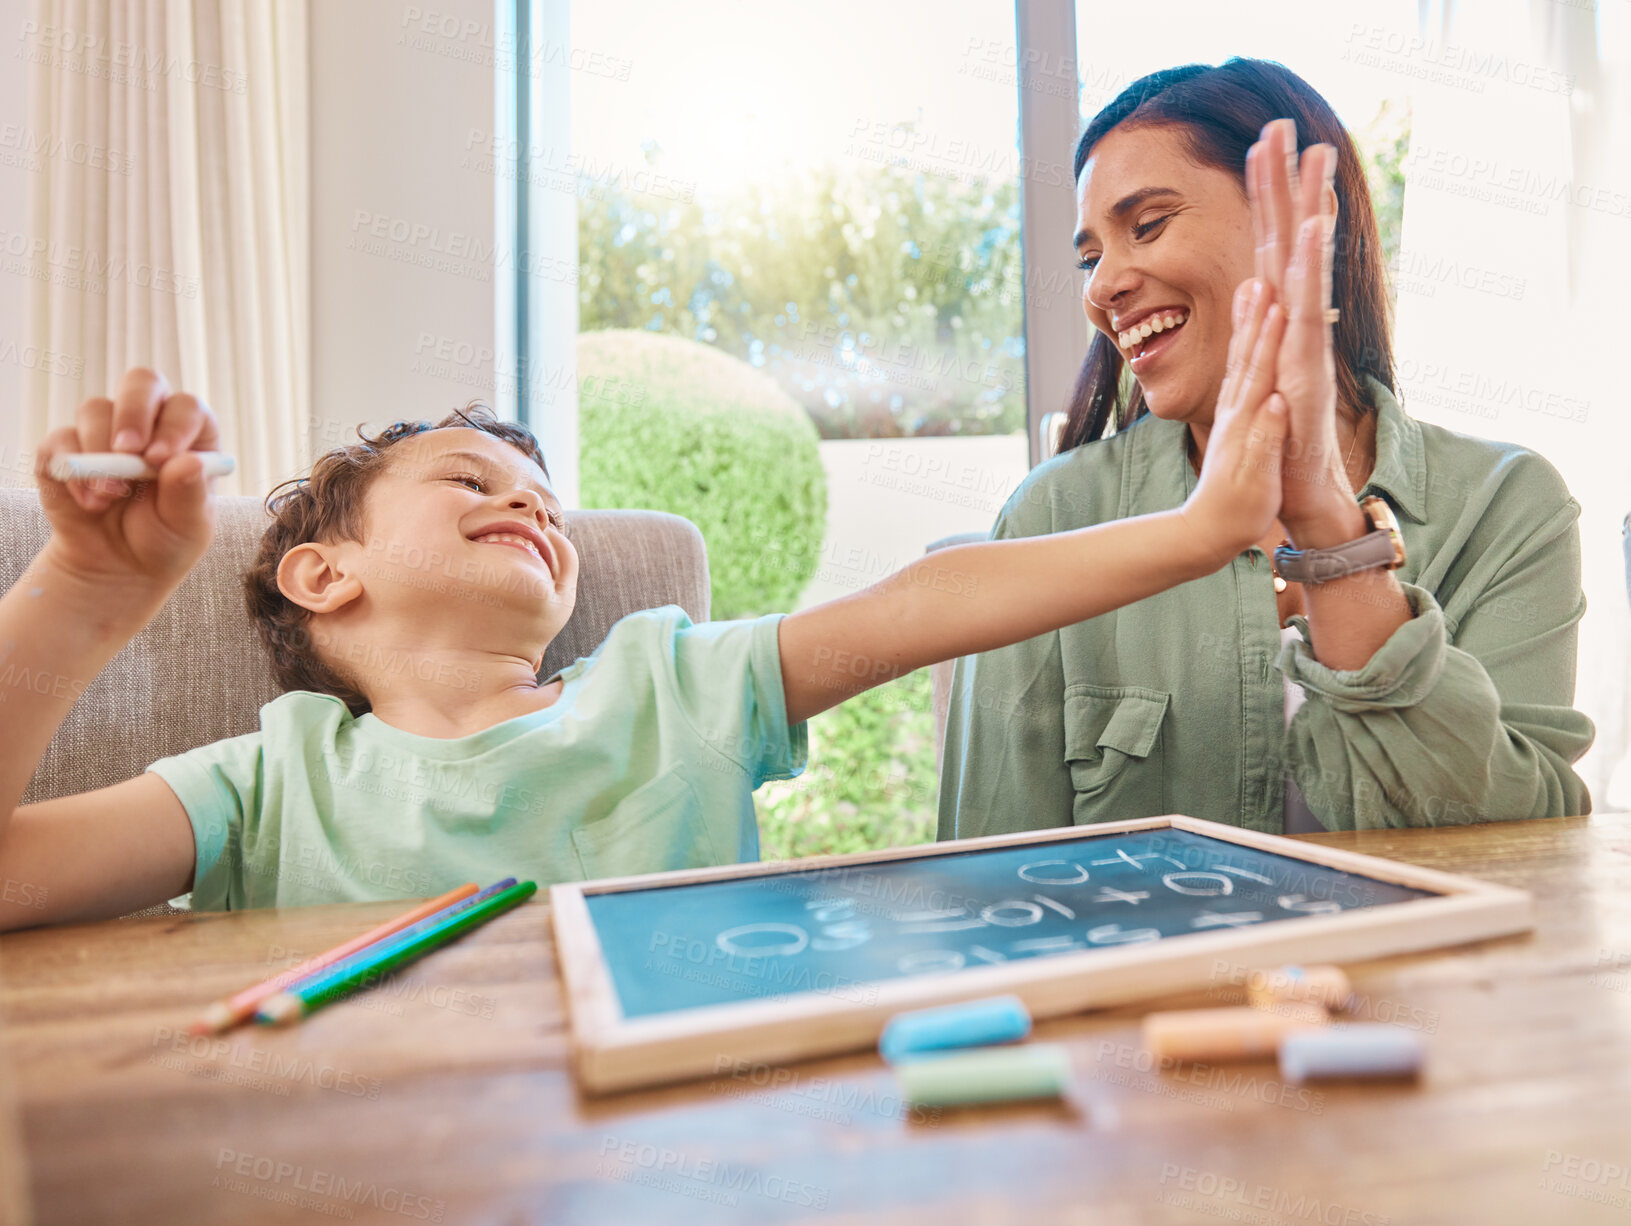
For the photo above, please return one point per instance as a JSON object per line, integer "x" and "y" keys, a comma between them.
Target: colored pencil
{"x": 225, "y": 1014}
{"x": 362, "y": 956}
{"x": 367, "y": 970}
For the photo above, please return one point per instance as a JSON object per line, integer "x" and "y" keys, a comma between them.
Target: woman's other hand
{"x": 1293, "y": 209}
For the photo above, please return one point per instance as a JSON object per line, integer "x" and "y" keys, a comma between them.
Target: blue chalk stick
{"x": 997, "y": 1019}
{"x": 1353, "y": 1050}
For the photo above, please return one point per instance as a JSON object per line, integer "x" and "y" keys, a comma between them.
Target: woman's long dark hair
{"x": 1218, "y": 112}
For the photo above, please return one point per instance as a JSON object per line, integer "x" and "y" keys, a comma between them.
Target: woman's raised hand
{"x": 1293, "y": 207}
{"x": 1285, "y": 190}
{"x": 1239, "y": 492}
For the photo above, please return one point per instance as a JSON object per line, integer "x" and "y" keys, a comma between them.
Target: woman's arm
{"x": 1445, "y": 723}
{"x": 1405, "y": 727}
{"x": 1294, "y": 218}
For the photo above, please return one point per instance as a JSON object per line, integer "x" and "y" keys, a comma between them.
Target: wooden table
{"x": 446, "y": 1096}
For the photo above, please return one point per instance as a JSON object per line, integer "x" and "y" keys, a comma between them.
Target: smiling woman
{"x": 1188, "y": 129}
{"x": 1437, "y": 690}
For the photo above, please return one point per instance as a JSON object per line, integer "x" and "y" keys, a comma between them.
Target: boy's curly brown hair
{"x": 327, "y": 506}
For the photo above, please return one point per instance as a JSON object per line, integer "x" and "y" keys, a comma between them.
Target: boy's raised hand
{"x": 128, "y": 536}
{"x": 1237, "y": 497}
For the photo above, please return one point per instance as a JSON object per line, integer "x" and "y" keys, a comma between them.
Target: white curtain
{"x": 1514, "y": 256}
{"x": 181, "y": 242}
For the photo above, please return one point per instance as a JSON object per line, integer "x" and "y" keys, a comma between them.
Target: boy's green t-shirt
{"x": 647, "y": 761}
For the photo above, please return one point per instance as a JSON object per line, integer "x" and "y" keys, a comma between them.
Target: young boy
{"x": 407, "y": 591}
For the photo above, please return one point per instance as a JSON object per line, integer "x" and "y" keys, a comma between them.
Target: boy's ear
{"x": 311, "y": 575}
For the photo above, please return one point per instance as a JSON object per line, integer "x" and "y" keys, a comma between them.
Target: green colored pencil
{"x": 288, "y": 1006}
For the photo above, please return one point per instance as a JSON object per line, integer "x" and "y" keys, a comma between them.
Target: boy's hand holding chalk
{"x": 125, "y": 488}
{"x": 119, "y": 466}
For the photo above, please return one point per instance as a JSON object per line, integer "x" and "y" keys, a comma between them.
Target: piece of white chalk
{"x": 123, "y": 466}
{"x": 1353, "y": 1050}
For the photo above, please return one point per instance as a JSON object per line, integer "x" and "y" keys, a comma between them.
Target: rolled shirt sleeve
{"x": 1455, "y": 720}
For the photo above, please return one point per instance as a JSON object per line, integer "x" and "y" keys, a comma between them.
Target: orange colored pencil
{"x": 225, "y": 1014}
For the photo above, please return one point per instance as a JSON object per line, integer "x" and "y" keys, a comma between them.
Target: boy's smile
{"x": 521, "y": 536}
{"x": 463, "y": 566}
{"x": 494, "y": 495}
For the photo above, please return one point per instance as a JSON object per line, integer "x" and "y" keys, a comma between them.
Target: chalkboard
{"x": 835, "y": 929}
{"x": 780, "y": 960}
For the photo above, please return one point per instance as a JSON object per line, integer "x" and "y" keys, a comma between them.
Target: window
{"x": 830, "y": 195}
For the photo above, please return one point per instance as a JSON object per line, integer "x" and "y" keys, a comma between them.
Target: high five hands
{"x": 1274, "y": 448}
{"x": 1294, "y": 215}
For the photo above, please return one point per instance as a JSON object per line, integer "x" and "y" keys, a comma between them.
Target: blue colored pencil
{"x": 369, "y": 952}
{"x": 387, "y": 956}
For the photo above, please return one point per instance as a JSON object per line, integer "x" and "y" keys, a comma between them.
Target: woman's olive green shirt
{"x": 1175, "y": 704}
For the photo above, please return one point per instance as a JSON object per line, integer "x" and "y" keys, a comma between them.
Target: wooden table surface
{"x": 445, "y": 1095}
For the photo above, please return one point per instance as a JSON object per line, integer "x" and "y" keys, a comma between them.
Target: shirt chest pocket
{"x": 656, "y": 827}
{"x": 1114, "y": 751}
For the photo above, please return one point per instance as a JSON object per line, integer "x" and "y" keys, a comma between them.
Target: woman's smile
{"x": 1163, "y": 240}
{"x": 1147, "y": 349}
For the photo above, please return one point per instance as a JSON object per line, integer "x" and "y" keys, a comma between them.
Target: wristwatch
{"x": 1382, "y": 546}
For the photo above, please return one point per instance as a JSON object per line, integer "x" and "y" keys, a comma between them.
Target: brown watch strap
{"x": 1323, "y": 565}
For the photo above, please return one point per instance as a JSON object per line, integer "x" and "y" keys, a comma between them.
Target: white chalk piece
{"x": 986, "y": 1074}
{"x": 123, "y": 466}
{"x": 1350, "y": 1050}
{"x": 975, "y": 1023}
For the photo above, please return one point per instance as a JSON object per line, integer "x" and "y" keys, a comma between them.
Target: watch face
{"x": 1383, "y": 520}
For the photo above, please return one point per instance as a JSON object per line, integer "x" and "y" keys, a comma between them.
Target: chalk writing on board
{"x": 713, "y": 942}
{"x": 784, "y": 940}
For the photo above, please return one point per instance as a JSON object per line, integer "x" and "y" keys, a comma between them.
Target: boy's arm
{"x": 58, "y": 630}
{"x": 978, "y": 597}
{"x": 117, "y": 550}
{"x": 973, "y": 598}
{"x": 97, "y": 855}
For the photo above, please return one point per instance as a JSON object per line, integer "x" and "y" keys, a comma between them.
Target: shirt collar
{"x": 1401, "y": 458}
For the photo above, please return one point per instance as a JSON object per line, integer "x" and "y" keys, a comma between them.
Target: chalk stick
{"x": 1238, "y": 1033}
{"x": 123, "y": 466}
{"x": 1320, "y": 985}
{"x": 986, "y": 1074}
{"x": 974, "y": 1023}
{"x": 1366, "y": 1049}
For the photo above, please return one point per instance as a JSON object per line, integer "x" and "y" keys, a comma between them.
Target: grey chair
{"x": 197, "y": 672}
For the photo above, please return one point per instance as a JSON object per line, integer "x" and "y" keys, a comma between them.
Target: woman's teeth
{"x": 1142, "y": 331}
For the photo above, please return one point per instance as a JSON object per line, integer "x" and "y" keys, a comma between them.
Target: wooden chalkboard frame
{"x": 612, "y": 1052}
